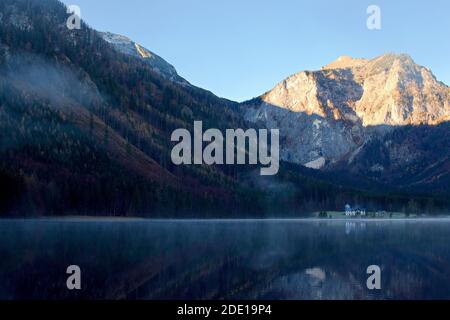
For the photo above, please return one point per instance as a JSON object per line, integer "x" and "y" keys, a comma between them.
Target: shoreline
{"x": 274, "y": 219}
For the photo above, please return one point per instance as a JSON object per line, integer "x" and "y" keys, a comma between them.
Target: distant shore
{"x": 331, "y": 216}
{"x": 375, "y": 215}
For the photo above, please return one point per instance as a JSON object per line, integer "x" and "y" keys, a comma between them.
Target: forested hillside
{"x": 85, "y": 129}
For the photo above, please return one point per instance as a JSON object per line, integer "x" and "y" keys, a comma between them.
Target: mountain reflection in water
{"x": 235, "y": 259}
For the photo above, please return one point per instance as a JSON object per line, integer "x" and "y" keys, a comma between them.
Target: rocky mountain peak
{"x": 127, "y": 46}
{"x": 344, "y": 62}
{"x": 391, "y": 89}
{"x": 331, "y": 113}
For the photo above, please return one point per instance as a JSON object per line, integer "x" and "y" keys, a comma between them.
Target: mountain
{"x": 332, "y": 118}
{"x": 87, "y": 117}
{"x": 86, "y": 127}
{"x": 125, "y": 45}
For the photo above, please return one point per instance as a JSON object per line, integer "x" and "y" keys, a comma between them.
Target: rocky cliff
{"x": 328, "y": 115}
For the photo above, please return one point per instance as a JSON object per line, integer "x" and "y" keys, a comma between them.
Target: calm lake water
{"x": 275, "y": 259}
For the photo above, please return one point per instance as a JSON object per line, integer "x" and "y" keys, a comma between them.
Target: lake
{"x": 231, "y": 259}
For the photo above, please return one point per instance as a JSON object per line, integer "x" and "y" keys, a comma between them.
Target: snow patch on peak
{"x": 126, "y": 46}
{"x": 115, "y": 38}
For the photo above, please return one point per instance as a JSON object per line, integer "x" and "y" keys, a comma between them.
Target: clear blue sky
{"x": 241, "y": 48}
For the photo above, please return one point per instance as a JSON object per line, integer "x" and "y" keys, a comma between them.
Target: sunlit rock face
{"x": 332, "y": 113}
{"x": 399, "y": 92}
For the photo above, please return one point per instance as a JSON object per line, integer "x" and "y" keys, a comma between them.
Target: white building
{"x": 353, "y": 212}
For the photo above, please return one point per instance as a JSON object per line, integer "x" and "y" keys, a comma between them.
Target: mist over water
{"x": 235, "y": 259}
